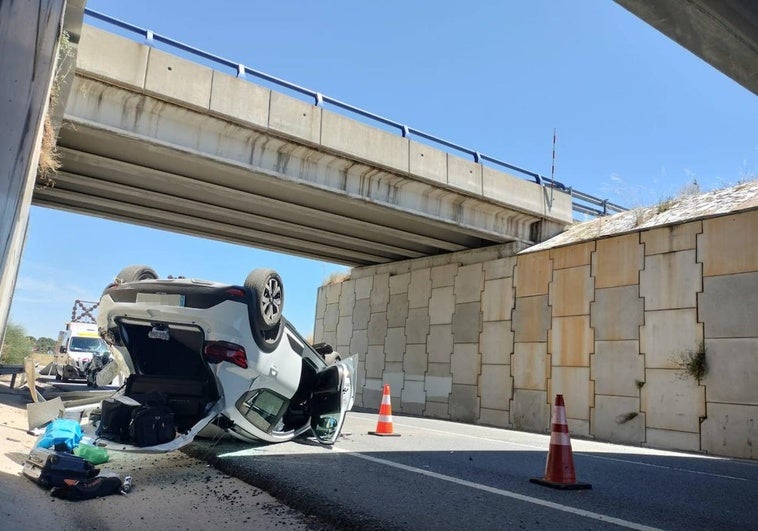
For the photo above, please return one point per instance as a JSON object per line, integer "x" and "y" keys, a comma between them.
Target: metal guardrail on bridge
{"x": 582, "y": 203}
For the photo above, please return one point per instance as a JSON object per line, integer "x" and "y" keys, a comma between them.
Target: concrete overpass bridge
{"x": 152, "y": 138}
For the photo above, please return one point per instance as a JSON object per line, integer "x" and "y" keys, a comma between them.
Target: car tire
{"x": 267, "y": 291}
{"x": 265, "y": 302}
{"x": 135, "y": 273}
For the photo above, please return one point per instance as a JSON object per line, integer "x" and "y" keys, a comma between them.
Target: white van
{"x": 77, "y": 344}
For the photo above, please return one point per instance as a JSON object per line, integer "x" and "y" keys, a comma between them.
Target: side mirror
{"x": 62, "y": 349}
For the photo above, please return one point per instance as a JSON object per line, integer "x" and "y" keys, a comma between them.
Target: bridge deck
{"x": 154, "y": 139}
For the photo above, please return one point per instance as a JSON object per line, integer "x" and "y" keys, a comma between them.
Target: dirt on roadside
{"x": 170, "y": 491}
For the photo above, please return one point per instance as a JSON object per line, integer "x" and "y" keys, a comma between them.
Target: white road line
{"x": 584, "y": 453}
{"x": 501, "y": 492}
{"x": 476, "y": 436}
{"x": 677, "y": 469}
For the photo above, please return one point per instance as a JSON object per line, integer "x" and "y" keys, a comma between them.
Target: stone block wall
{"x": 728, "y": 313}
{"x": 672, "y": 401}
{"x": 437, "y": 330}
{"x": 490, "y": 336}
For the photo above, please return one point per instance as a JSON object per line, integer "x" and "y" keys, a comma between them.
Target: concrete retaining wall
{"x": 491, "y": 336}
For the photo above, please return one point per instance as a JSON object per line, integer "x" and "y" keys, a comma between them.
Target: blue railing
{"x": 582, "y": 203}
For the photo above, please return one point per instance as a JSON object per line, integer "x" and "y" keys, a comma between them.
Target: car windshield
{"x": 87, "y": 344}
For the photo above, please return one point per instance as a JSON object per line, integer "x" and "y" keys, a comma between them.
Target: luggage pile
{"x": 146, "y": 423}
{"x": 144, "y": 416}
{"x": 64, "y": 464}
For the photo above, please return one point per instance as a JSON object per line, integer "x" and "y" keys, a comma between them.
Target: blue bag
{"x": 61, "y": 435}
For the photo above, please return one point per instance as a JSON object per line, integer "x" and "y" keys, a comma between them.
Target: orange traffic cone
{"x": 384, "y": 424}
{"x": 559, "y": 471}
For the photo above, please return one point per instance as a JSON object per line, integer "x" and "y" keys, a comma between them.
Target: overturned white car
{"x": 203, "y": 352}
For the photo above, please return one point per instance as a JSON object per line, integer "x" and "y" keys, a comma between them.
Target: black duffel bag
{"x": 152, "y": 424}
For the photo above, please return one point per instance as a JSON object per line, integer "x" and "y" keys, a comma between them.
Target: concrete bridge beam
{"x": 296, "y": 177}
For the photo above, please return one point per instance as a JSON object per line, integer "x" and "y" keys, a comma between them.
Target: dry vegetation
{"x": 694, "y": 363}
{"x": 336, "y": 278}
{"x": 49, "y": 157}
{"x": 685, "y": 206}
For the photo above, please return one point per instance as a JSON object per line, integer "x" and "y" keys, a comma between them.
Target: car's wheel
{"x": 136, "y": 272}
{"x": 266, "y": 300}
{"x": 268, "y": 291}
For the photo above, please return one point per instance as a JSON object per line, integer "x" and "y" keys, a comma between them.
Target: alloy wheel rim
{"x": 271, "y": 299}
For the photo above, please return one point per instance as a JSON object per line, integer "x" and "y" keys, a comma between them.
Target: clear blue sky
{"x": 638, "y": 117}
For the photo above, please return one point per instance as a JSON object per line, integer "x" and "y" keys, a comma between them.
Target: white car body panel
{"x": 278, "y": 371}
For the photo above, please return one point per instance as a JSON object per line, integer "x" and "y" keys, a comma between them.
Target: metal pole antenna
{"x": 552, "y": 169}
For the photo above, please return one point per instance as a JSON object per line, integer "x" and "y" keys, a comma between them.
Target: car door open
{"x": 333, "y": 396}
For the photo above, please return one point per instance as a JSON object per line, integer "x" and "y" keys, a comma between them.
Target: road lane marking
{"x": 585, "y": 453}
{"x": 501, "y": 492}
{"x": 677, "y": 469}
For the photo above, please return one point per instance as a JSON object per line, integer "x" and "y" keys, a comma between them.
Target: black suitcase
{"x": 49, "y": 468}
{"x": 115, "y": 416}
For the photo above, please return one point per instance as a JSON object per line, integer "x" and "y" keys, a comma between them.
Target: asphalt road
{"x": 441, "y": 475}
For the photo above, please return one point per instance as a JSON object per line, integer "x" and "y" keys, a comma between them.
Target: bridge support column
{"x": 29, "y": 37}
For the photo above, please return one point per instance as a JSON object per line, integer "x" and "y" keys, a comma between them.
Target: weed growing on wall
{"x": 694, "y": 363}
{"x": 665, "y": 205}
{"x": 689, "y": 190}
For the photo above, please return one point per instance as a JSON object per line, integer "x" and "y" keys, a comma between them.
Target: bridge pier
{"x": 27, "y": 69}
